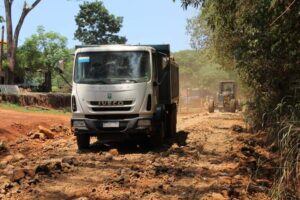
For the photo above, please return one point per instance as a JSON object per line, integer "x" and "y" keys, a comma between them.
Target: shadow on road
{"x": 136, "y": 145}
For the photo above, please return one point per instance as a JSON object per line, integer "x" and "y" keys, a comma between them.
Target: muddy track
{"x": 205, "y": 164}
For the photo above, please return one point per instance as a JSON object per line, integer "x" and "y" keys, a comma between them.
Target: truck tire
{"x": 83, "y": 141}
{"x": 171, "y": 122}
{"x": 211, "y": 106}
{"x": 157, "y": 138}
{"x": 174, "y": 132}
{"x": 233, "y": 105}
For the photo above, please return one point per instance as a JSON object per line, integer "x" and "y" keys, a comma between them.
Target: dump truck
{"x": 124, "y": 91}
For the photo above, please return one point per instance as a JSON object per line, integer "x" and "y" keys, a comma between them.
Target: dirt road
{"x": 211, "y": 163}
{"x": 15, "y": 125}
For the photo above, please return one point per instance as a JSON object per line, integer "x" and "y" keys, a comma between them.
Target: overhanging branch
{"x": 25, "y": 11}
{"x": 194, "y": 3}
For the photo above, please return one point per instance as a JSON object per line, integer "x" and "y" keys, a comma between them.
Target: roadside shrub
{"x": 260, "y": 40}
{"x": 286, "y": 135}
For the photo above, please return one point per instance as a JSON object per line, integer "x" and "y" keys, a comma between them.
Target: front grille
{"x": 109, "y": 117}
{"x": 110, "y": 103}
{"x": 108, "y": 109}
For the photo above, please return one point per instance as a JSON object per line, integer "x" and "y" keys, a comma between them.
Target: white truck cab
{"x": 122, "y": 91}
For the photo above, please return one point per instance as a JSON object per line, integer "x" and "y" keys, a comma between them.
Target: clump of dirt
{"x": 258, "y": 163}
{"x": 44, "y": 133}
{"x": 14, "y": 125}
{"x": 3, "y": 147}
{"x": 237, "y": 128}
{"x": 61, "y": 129}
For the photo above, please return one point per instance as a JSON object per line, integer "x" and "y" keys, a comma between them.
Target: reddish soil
{"x": 207, "y": 160}
{"x": 14, "y": 125}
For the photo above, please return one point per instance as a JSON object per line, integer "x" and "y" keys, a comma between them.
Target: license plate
{"x": 111, "y": 125}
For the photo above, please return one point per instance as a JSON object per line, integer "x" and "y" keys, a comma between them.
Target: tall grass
{"x": 288, "y": 138}
{"x": 283, "y": 125}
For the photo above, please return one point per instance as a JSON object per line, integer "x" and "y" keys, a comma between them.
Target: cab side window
{"x": 154, "y": 68}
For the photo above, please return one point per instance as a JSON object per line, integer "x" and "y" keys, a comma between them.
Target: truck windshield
{"x": 112, "y": 67}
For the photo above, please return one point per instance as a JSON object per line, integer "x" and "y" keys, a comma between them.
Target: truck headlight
{"x": 78, "y": 123}
{"x": 144, "y": 122}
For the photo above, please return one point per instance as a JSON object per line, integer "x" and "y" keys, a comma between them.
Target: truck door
{"x": 155, "y": 77}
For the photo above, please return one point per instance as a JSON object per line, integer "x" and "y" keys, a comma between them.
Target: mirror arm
{"x": 64, "y": 78}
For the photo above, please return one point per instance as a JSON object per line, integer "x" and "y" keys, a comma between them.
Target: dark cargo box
{"x": 169, "y": 87}
{"x": 168, "y": 75}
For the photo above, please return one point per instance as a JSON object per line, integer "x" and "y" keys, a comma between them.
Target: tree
{"x": 41, "y": 53}
{"x": 198, "y": 69}
{"x": 97, "y": 26}
{"x": 13, "y": 36}
{"x": 260, "y": 40}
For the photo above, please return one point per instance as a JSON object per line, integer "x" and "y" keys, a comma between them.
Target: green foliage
{"x": 40, "y": 54}
{"x": 195, "y": 3}
{"x": 59, "y": 84}
{"x": 260, "y": 40}
{"x": 97, "y": 26}
{"x": 266, "y": 57}
{"x": 199, "y": 70}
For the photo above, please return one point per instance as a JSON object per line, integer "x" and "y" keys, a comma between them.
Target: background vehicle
{"x": 226, "y": 98}
{"x": 122, "y": 91}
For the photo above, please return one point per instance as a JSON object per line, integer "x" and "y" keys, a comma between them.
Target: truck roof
{"x": 163, "y": 48}
{"x": 117, "y": 47}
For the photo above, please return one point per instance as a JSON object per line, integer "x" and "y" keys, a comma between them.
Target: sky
{"x": 145, "y": 21}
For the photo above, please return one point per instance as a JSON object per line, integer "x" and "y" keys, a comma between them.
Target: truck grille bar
{"x": 111, "y": 103}
{"x": 110, "y": 106}
{"x": 107, "y": 109}
{"x": 110, "y": 117}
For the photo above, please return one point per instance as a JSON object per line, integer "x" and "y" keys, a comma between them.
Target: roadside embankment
{"x": 48, "y": 100}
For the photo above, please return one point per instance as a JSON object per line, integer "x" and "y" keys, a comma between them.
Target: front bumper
{"x": 127, "y": 127}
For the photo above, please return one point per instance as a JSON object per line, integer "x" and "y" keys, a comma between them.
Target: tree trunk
{"x": 48, "y": 82}
{"x": 1, "y": 50}
{"x": 8, "y": 77}
{"x": 9, "y": 34}
{"x": 13, "y": 38}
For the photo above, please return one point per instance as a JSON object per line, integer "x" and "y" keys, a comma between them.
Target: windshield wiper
{"x": 95, "y": 82}
{"x": 100, "y": 81}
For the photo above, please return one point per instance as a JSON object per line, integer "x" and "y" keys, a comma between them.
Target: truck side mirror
{"x": 60, "y": 66}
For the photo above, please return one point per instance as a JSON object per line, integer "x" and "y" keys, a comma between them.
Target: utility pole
{"x": 1, "y": 49}
{"x": 1, "y": 55}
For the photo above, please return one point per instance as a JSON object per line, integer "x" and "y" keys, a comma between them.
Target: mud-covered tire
{"x": 174, "y": 125}
{"x": 171, "y": 122}
{"x": 233, "y": 105}
{"x": 158, "y": 137}
{"x": 83, "y": 141}
{"x": 211, "y": 106}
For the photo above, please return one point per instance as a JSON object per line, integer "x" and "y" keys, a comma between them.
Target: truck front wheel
{"x": 83, "y": 141}
{"x": 171, "y": 122}
{"x": 211, "y": 106}
{"x": 233, "y": 105}
{"x": 157, "y": 138}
